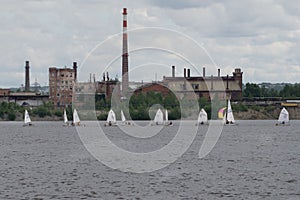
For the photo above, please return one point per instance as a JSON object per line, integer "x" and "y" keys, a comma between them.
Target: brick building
{"x": 61, "y": 84}
{"x": 208, "y": 87}
{"x": 221, "y": 87}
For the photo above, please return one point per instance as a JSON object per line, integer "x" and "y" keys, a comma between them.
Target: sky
{"x": 262, "y": 37}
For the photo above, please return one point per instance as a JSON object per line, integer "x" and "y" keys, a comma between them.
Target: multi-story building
{"x": 61, "y": 85}
{"x": 209, "y": 87}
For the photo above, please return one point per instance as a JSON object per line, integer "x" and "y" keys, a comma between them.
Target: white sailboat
{"x": 66, "y": 123}
{"x": 167, "y": 122}
{"x": 111, "y": 118}
{"x": 202, "y": 117}
{"x": 76, "y": 120}
{"x": 283, "y": 118}
{"x": 229, "y": 119}
{"x": 123, "y": 119}
{"x": 159, "y": 117}
{"x": 27, "y": 120}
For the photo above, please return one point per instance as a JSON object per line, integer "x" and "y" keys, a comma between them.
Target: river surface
{"x": 254, "y": 160}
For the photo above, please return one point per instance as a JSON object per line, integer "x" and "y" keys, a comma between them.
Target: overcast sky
{"x": 261, "y": 37}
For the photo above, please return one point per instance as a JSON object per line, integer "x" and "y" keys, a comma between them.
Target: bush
{"x": 58, "y": 113}
{"x": 102, "y": 116}
{"x": 11, "y": 116}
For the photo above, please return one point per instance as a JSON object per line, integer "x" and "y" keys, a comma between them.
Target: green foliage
{"x": 290, "y": 91}
{"x": 41, "y": 111}
{"x": 58, "y": 113}
{"x": 11, "y": 116}
{"x": 239, "y": 107}
{"x": 102, "y": 116}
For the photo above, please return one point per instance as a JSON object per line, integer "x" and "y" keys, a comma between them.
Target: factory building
{"x": 61, "y": 84}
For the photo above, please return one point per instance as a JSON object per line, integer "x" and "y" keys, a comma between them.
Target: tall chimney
{"x": 227, "y": 85}
{"x": 173, "y": 71}
{"x": 125, "y": 55}
{"x": 203, "y": 71}
{"x": 188, "y": 73}
{"x": 184, "y": 72}
{"x": 27, "y": 78}
{"x": 75, "y": 71}
{"x": 218, "y": 72}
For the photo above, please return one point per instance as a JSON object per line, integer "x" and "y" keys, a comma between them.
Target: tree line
{"x": 254, "y": 90}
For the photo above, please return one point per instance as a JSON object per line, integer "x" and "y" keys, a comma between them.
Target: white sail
{"x": 283, "y": 116}
{"x": 27, "y": 119}
{"x": 229, "y": 113}
{"x": 76, "y": 119}
{"x": 65, "y": 117}
{"x": 167, "y": 116}
{"x": 159, "y": 117}
{"x": 123, "y": 116}
{"x": 224, "y": 118}
{"x": 202, "y": 117}
{"x": 111, "y": 116}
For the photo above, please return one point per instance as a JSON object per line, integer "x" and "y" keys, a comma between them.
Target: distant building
{"x": 61, "y": 85}
{"x": 31, "y": 99}
{"x": 221, "y": 87}
{"x": 4, "y": 92}
{"x": 156, "y": 87}
{"x": 87, "y": 92}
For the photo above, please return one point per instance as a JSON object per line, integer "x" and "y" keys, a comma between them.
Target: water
{"x": 254, "y": 160}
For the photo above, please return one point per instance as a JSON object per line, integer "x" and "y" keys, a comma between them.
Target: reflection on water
{"x": 254, "y": 160}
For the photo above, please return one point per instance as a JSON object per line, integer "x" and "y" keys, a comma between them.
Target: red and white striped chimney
{"x": 125, "y": 55}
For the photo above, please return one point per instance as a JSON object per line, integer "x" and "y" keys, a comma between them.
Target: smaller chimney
{"x": 75, "y": 70}
{"x": 27, "y": 77}
{"x": 188, "y": 73}
{"x": 173, "y": 71}
{"x": 94, "y": 77}
{"x": 203, "y": 71}
{"x": 107, "y": 76}
{"x": 218, "y": 72}
{"x": 227, "y": 85}
{"x": 103, "y": 76}
{"x": 184, "y": 72}
{"x": 90, "y": 77}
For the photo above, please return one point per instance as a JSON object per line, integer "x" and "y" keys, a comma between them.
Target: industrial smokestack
{"x": 27, "y": 78}
{"x": 125, "y": 54}
{"x": 75, "y": 70}
{"x": 227, "y": 85}
{"x": 173, "y": 71}
{"x": 203, "y": 71}
{"x": 219, "y": 73}
{"x": 184, "y": 72}
{"x": 188, "y": 73}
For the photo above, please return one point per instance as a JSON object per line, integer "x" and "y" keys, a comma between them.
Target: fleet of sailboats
{"x": 225, "y": 113}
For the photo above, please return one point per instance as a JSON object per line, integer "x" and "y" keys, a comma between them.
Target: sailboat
{"x": 167, "y": 122}
{"x": 66, "y": 123}
{"x": 202, "y": 117}
{"x": 283, "y": 118}
{"x": 111, "y": 119}
{"x": 27, "y": 120}
{"x": 228, "y": 117}
{"x": 76, "y": 120}
{"x": 159, "y": 117}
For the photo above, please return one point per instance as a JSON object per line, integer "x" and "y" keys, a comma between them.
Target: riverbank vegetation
{"x": 143, "y": 106}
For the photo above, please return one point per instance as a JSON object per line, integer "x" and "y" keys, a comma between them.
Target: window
{"x": 195, "y": 86}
